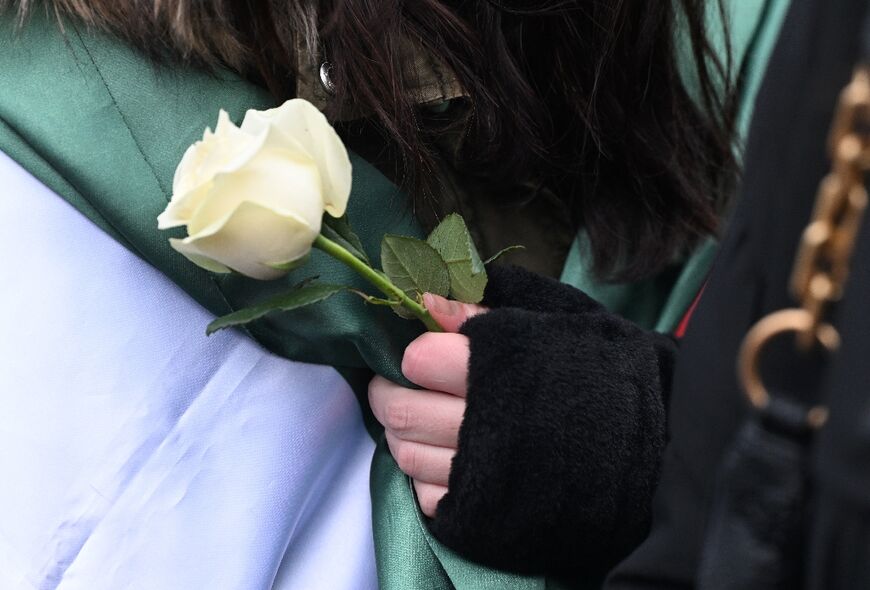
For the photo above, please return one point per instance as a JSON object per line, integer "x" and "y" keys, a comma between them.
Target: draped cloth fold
{"x": 137, "y": 453}
{"x": 103, "y": 128}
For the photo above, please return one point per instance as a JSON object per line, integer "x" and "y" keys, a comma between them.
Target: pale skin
{"x": 422, "y": 426}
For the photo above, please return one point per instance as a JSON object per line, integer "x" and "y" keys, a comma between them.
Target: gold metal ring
{"x": 749, "y": 359}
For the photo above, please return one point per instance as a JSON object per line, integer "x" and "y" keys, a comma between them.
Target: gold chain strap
{"x": 822, "y": 263}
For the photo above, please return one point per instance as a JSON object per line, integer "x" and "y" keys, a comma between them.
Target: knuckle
{"x": 407, "y": 458}
{"x": 411, "y": 360}
{"x": 374, "y": 389}
{"x": 416, "y": 355}
{"x": 397, "y": 416}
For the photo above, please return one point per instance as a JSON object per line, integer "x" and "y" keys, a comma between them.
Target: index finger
{"x": 439, "y": 362}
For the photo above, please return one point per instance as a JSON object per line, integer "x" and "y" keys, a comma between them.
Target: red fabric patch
{"x": 684, "y": 323}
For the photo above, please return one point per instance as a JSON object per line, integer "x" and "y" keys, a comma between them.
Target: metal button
{"x": 326, "y": 77}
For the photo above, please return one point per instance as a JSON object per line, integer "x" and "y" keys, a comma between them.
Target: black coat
{"x": 786, "y": 159}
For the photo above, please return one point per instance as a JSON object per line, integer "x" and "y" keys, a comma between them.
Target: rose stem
{"x": 378, "y": 280}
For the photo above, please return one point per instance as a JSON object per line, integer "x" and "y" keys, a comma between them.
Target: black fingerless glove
{"x": 565, "y": 425}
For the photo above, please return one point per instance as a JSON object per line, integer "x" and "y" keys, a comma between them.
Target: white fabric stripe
{"x": 135, "y": 452}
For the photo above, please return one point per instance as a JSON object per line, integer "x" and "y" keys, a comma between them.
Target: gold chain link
{"x": 822, "y": 263}
{"x": 824, "y": 254}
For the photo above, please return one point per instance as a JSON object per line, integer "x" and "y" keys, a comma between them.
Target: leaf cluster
{"x": 446, "y": 263}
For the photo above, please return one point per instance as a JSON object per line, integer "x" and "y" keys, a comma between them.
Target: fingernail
{"x": 440, "y": 304}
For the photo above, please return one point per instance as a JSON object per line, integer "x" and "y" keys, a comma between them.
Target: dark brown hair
{"x": 585, "y": 97}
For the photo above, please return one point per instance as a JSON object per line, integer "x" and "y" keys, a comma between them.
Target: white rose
{"x": 252, "y": 197}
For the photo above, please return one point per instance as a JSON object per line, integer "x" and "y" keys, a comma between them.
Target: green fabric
{"x": 105, "y": 129}
{"x": 661, "y": 302}
{"x": 755, "y": 63}
{"x": 658, "y": 303}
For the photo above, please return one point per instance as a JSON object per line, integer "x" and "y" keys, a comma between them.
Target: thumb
{"x": 450, "y": 314}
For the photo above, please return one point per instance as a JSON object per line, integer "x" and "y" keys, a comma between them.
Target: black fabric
{"x": 839, "y": 552}
{"x": 843, "y": 453}
{"x": 786, "y": 159}
{"x": 840, "y": 556}
{"x": 560, "y": 445}
{"x": 754, "y": 539}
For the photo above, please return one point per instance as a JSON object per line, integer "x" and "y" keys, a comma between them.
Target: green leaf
{"x": 453, "y": 242}
{"x": 414, "y": 266}
{"x": 303, "y": 295}
{"x": 339, "y": 231}
{"x": 502, "y": 252}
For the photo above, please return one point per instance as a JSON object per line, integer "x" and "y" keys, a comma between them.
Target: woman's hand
{"x": 561, "y": 409}
{"x": 422, "y": 426}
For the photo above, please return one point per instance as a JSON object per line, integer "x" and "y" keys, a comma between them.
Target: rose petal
{"x": 253, "y": 240}
{"x": 278, "y": 181}
{"x": 300, "y": 121}
{"x": 179, "y": 211}
{"x": 221, "y": 152}
{"x": 192, "y": 253}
